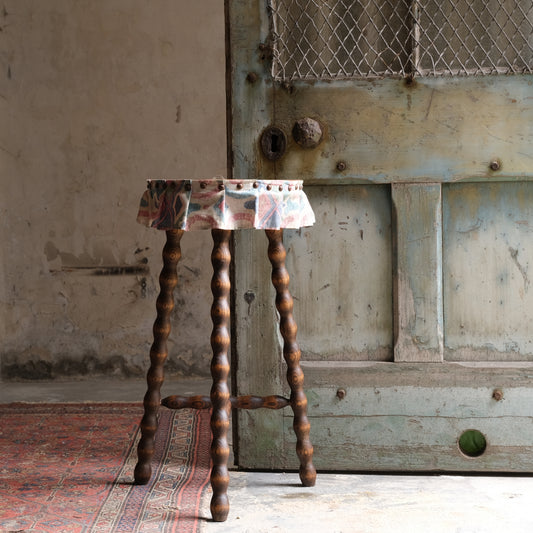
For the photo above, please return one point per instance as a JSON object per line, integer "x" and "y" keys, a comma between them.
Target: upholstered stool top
{"x": 220, "y": 203}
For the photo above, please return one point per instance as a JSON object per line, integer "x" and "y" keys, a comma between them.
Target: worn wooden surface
{"x": 256, "y": 354}
{"x": 409, "y": 416}
{"x": 437, "y": 129}
{"x": 344, "y": 308}
{"x": 488, "y": 304}
{"x": 418, "y": 258}
{"x": 418, "y": 273}
{"x": 249, "y": 87}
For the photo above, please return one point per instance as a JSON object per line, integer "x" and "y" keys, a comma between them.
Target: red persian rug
{"x": 69, "y": 468}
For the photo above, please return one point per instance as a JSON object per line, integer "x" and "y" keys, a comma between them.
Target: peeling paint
{"x": 486, "y": 276}
{"x": 522, "y": 270}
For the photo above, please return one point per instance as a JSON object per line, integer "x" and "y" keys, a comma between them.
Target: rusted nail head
{"x": 252, "y": 77}
{"x": 341, "y": 394}
{"x": 256, "y": 184}
{"x": 498, "y": 395}
{"x": 410, "y": 80}
{"x": 239, "y": 186}
{"x": 341, "y": 166}
{"x": 495, "y": 164}
{"x": 269, "y": 187}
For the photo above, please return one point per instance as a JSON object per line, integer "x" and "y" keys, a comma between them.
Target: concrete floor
{"x": 274, "y": 502}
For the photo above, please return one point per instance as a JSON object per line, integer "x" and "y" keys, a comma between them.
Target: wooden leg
{"x": 168, "y": 280}
{"x": 291, "y": 353}
{"x": 220, "y": 396}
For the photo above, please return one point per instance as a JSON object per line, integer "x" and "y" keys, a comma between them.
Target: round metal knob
{"x": 307, "y": 132}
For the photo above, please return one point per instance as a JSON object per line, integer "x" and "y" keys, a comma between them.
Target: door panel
{"x": 488, "y": 303}
{"x": 344, "y": 307}
{"x": 412, "y": 290}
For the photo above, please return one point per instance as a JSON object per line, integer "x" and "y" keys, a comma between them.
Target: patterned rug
{"x": 69, "y": 468}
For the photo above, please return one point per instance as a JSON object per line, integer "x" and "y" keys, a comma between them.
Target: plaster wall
{"x": 96, "y": 96}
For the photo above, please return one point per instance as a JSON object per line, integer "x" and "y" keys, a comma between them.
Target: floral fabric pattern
{"x": 225, "y": 204}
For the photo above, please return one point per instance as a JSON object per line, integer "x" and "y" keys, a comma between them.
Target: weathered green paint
{"x": 392, "y": 443}
{"x": 410, "y": 416}
{"x": 437, "y": 129}
{"x": 418, "y": 275}
{"x": 256, "y": 355}
{"x": 403, "y": 272}
{"x": 251, "y": 110}
{"x": 488, "y": 256}
{"x": 343, "y": 308}
{"x": 453, "y": 402}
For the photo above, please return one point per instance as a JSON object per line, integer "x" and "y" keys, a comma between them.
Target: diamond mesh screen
{"x": 330, "y": 39}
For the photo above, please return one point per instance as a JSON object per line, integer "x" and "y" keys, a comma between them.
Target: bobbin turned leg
{"x": 168, "y": 280}
{"x": 220, "y": 397}
{"x": 291, "y": 353}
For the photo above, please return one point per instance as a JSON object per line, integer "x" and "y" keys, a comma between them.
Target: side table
{"x": 223, "y": 206}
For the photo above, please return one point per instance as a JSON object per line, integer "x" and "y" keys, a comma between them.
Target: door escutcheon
{"x": 273, "y": 143}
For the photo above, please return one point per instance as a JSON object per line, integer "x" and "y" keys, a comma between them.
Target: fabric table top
{"x": 220, "y": 203}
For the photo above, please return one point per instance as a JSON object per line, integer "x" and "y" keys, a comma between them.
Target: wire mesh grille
{"x": 330, "y": 39}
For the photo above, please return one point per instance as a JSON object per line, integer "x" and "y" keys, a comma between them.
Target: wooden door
{"x": 412, "y": 291}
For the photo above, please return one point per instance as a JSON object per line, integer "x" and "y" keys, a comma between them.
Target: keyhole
{"x": 249, "y": 297}
{"x": 273, "y": 143}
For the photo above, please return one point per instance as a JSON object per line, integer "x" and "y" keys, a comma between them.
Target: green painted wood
{"x": 250, "y": 91}
{"x": 404, "y": 401}
{"x": 487, "y": 271}
{"x": 393, "y": 443}
{"x": 418, "y": 273}
{"x": 381, "y": 424}
{"x": 375, "y": 293}
{"x": 436, "y": 130}
{"x": 256, "y": 351}
{"x": 343, "y": 308}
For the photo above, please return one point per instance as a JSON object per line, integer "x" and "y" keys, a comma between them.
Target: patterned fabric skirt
{"x": 225, "y": 204}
